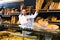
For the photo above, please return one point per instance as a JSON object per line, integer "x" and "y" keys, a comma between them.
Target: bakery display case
{"x": 14, "y": 31}
{"x": 6, "y": 35}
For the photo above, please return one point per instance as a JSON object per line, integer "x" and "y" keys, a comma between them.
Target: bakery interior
{"x": 46, "y": 24}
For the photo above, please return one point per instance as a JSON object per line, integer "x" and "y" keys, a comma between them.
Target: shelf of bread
{"x": 8, "y": 35}
{"x": 43, "y": 24}
{"x": 54, "y": 19}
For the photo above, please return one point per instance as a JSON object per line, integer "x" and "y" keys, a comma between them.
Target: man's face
{"x": 24, "y": 12}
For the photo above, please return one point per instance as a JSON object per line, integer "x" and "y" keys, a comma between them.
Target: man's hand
{"x": 36, "y": 11}
{"x": 21, "y": 26}
{"x": 29, "y": 18}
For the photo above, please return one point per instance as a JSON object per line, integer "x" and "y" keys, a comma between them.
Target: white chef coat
{"x": 28, "y": 23}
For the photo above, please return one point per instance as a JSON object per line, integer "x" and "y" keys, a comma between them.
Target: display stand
{"x": 48, "y": 37}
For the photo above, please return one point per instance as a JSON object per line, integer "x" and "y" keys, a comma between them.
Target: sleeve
{"x": 19, "y": 18}
{"x": 34, "y": 16}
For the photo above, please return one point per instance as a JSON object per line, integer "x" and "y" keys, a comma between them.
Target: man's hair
{"x": 23, "y": 9}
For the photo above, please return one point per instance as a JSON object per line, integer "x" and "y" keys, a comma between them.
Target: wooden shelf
{"x": 6, "y": 16}
{"x": 12, "y": 14}
{"x": 57, "y": 23}
{"x": 43, "y": 11}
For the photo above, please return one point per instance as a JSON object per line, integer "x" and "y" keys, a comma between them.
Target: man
{"x": 26, "y": 20}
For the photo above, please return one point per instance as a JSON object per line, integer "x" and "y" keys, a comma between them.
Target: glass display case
{"x": 14, "y": 31}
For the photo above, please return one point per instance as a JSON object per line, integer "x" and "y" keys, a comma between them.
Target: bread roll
{"x": 52, "y": 27}
{"x": 43, "y": 23}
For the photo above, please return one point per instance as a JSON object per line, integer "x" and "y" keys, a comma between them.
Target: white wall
{"x": 9, "y": 1}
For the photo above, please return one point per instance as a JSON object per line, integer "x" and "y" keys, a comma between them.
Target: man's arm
{"x": 34, "y": 16}
{"x": 19, "y": 18}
